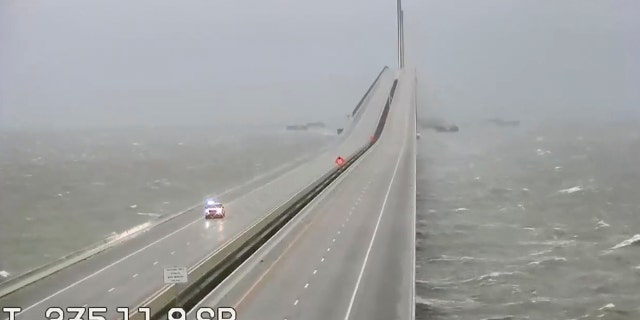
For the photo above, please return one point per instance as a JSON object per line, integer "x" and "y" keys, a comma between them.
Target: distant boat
{"x": 315, "y": 125}
{"x": 446, "y": 128}
{"x": 296, "y": 127}
{"x": 504, "y": 123}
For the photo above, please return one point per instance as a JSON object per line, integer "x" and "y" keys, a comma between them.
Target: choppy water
{"x": 62, "y": 191}
{"x": 522, "y": 223}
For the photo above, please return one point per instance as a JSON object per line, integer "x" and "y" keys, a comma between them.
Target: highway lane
{"x": 351, "y": 255}
{"x": 386, "y": 283}
{"x": 124, "y": 277}
{"x": 47, "y": 286}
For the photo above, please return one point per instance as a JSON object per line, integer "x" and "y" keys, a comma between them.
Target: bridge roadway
{"x": 351, "y": 253}
{"x": 127, "y": 274}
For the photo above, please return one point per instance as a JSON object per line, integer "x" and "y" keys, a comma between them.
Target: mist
{"x": 539, "y": 61}
{"x": 77, "y": 63}
{"x": 74, "y": 63}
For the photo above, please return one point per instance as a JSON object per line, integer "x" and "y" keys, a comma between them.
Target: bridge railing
{"x": 214, "y": 268}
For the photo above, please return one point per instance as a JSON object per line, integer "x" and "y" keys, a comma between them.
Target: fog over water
{"x": 488, "y": 248}
{"x": 77, "y": 63}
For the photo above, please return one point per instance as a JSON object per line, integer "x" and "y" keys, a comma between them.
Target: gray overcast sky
{"x": 576, "y": 59}
{"x": 68, "y": 62}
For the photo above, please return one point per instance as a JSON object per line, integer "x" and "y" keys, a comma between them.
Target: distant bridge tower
{"x": 400, "y": 27}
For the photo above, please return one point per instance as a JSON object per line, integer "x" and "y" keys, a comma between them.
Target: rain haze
{"x": 535, "y": 221}
{"x": 122, "y": 62}
{"x": 112, "y": 62}
{"x": 575, "y": 60}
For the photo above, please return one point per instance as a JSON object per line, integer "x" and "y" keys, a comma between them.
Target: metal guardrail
{"x": 385, "y": 112}
{"x": 366, "y": 94}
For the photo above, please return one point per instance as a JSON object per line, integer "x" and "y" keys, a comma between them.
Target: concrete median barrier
{"x": 207, "y": 272}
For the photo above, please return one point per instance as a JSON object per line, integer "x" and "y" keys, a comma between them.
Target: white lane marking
{"x": 306, "y": 285}
{"x": 295, "y": 302}
{"x": 106, "y": 267}
{"x": 111, "y": 290}
{"x": 264, "y": 274}
{"x": 328, "y": 249}
{"x": 315, "y": 271}
{"x": 375, "y": 231}
{"x": 342, "y": 225}
{"x": 322, "y": 260}
{"x": 339, "y": 231}
{"x": 255, "y": 179}
{"x": 332, "y": 188}
{"x": 135, "y": 275}
{"x": 334, "y": 240}
{"x": 173, "y": 252}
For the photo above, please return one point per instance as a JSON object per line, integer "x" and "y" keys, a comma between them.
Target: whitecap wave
{"x": 539, "y": 253}
{"x": 541, "y": 152}
{"x": 554, "y": 243}
{"x": 442, "y": 302}
{"x": 571, "y": 190}
{"x": 445, "y": 258}
{"x": 631, "y": 241}
{"x": 609, "y": 306}
{"x": 497, "y": 274}
{"x": 547, "y": 260}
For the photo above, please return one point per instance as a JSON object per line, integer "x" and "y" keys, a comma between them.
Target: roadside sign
{"x": 175, "y": 275}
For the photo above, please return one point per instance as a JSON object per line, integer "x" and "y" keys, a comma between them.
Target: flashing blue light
{"x": 210, "y": 202}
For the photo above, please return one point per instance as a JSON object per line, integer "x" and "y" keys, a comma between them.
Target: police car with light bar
{"x": 213, "y": 209}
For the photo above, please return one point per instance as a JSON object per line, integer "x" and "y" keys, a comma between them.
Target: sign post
{"x": 176, "y": 275}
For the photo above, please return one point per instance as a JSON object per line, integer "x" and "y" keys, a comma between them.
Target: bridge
{"x": 309, "y": 240}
